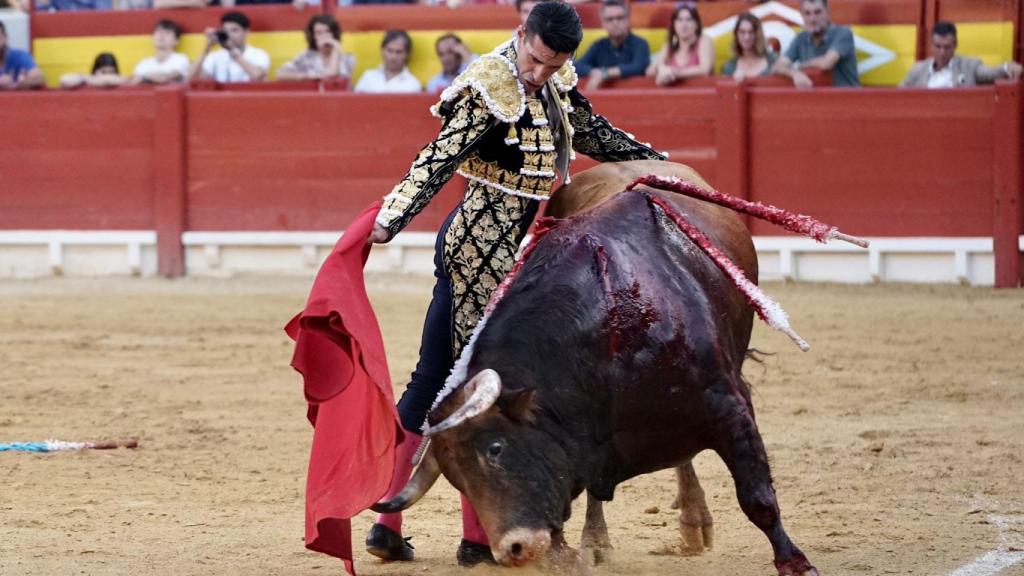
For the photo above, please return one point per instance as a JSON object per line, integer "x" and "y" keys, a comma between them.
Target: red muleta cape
{"x": 340, "y": 354}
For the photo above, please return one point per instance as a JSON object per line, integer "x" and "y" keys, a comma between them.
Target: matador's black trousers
{"x": 438, "y": 346}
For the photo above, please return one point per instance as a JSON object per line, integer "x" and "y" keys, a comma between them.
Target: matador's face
{"x": 535, "y": 62}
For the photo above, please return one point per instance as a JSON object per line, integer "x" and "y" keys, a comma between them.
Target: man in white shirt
{"x": 947, "y": 70}
{"x": 391, "y": 77}
{"x": 167, "y": 65}
{"x": 237, "y": 61}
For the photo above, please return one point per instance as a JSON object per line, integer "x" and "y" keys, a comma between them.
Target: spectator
{"x": 167, "y": 65}
{"x": 621, "y": 55}
{"x": 822, "y": 46}
{"x": 73, "y": 5}
{"x": 236, "y": 61}
{"x": 17, "y": 68}
{"x": 947, "y": 70}
{"x": 361, "y": 2}
{"x": 751, "y": 57}
{"x": 134, "y": 4}
{"x": 165, "y": 4}
{"x": 392, "y": 76}
{"x": 688, "y": 53}
{"x": 105, "y": 74}
{"x": 323, "y": 57}
{"x": 523, "y": 7}
{"x": 454, "y": 56}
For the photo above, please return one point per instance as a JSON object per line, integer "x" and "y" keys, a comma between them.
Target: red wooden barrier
{"x": 907, "y": 163}
{"x": 80, "y": 161}
{"x": 876, "y": 162}
{"x": 301, "y": 161}
{"x": 1008, "y": 140}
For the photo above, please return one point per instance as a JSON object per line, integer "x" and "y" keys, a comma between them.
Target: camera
{"x": 222, "y": 38}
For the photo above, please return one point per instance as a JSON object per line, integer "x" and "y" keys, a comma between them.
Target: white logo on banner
{"x": 877, "y": 55}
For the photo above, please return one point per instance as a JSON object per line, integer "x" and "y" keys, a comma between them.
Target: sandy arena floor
{"x": 897, "y": 442}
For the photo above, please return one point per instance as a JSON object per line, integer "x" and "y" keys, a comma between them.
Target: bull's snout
{"x": 521, "y": 546}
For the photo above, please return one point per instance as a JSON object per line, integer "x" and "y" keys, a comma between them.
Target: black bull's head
{"x": 516, "y": 475}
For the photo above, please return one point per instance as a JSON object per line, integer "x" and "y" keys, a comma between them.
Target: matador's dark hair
{"x": 558, "y": 26}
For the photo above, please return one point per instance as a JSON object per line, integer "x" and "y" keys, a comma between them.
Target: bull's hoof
{"x": 470, "y": 554}
{"x": 696, "y": 538}
{"x": 797, "y": 566}
{"x": 596, "y": 547}
{"x": 388, "y": 545}
{"x": 564, "y": 561}
{"x": 598, "y": 556}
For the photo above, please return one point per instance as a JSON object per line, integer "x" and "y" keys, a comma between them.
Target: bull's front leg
{"x": 561, "y": 560}
{"x": 742, "y": 449}
{"x": 596, "y": 545}
{"x": 695, "y": 525}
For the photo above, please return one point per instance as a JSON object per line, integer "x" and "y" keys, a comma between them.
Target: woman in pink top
{"x": 687, "y": 53}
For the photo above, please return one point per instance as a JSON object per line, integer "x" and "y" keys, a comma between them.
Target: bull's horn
{"x": 483, "y": 391}
{"x": 418, "y": 485}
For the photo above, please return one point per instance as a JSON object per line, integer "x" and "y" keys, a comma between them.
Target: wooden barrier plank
{"x": 1008, "y": 141}
{"x": 77, "y": 161}
{"x": 885, "y": 162}
{"x": 306, "y": 162}
{"x": 169, "y": 208}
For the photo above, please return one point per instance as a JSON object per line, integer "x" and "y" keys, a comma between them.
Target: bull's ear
{"x": 519, "y": 405}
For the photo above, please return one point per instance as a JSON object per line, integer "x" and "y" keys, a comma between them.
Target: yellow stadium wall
{"x": 990, "y": 41}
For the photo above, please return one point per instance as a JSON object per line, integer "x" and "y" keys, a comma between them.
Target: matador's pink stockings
{"x": 403, "y": 469}
{"x": 471, "y": 528}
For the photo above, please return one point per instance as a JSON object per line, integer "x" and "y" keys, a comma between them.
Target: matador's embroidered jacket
{"x": 509, "y": 146}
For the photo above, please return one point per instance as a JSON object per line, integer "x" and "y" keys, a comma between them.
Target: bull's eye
{"x": 494, "y": 450}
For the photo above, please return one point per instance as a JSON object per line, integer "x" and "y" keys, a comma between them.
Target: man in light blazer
{"x": 947, "y": 70}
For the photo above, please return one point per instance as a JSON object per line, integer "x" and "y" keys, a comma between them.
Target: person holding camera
{"x": 236, "y": 61}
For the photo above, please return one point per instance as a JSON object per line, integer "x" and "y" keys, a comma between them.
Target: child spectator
{"x": 105, "y": 74}
{"x": 167, "y": 65}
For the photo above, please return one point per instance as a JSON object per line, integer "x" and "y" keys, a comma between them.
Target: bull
{"x": 616, "y": 351}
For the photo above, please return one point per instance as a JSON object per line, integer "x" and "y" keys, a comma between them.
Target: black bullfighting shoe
{"x": 388, "y": 545}
{"x": 470, "y": 554}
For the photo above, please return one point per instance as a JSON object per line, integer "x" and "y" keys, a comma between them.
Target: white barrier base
{"x": 34, "y": 253}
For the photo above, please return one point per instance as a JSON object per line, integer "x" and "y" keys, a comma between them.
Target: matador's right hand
{"x": 378, "y": 236}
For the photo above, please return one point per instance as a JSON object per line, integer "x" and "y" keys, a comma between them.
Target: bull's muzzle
{"x": 521, "y": 546}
